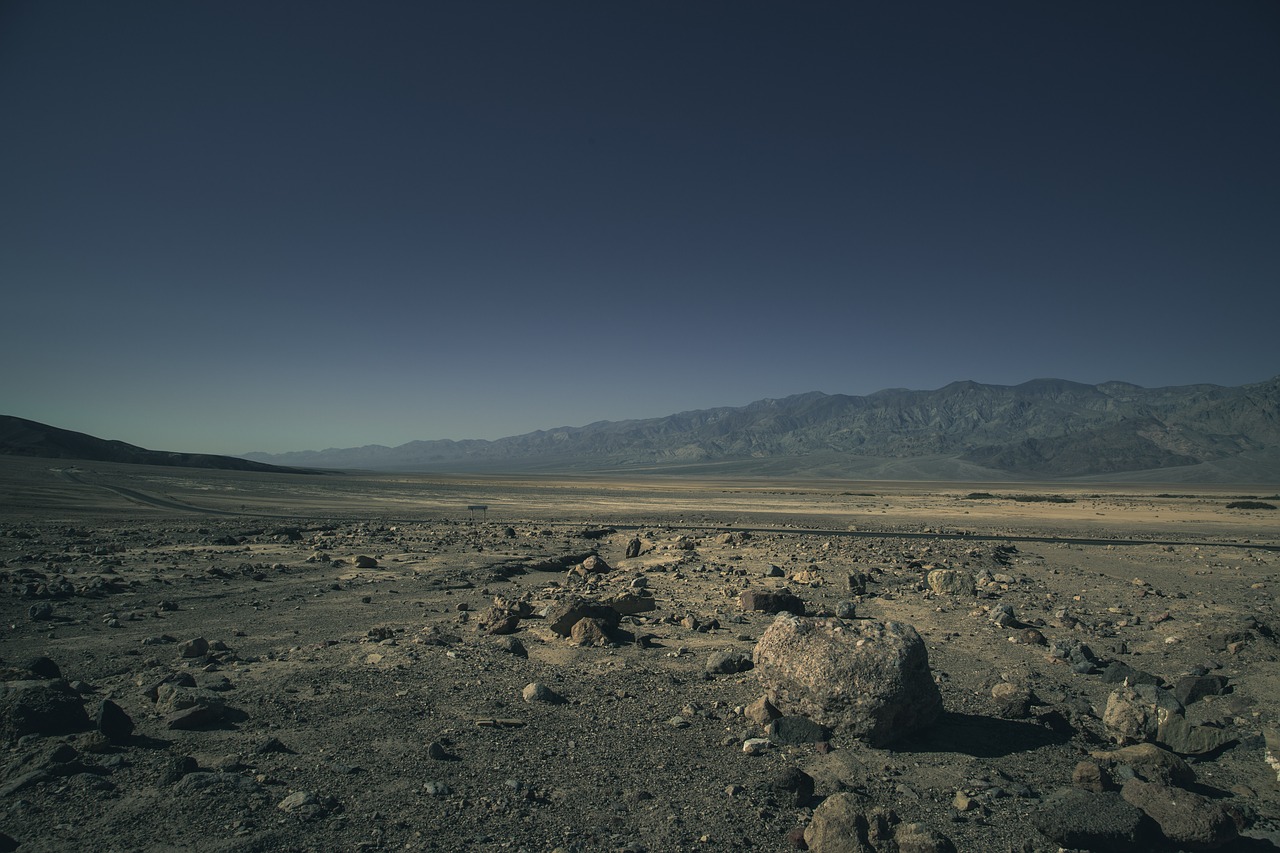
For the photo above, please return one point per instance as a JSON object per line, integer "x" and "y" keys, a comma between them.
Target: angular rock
{"x": 497, "y": 620}
{"x": 565, "y": 613}
{"x": 112, "y": 721}
{"x": 200, "y": 716}
{"x": 593, "y": 565}
{"x": 40, "y": 707}
{"x": 197, "y": 647}
{"x": 761, "y": 712}
{"x": 631, "y": 603}
{"x": 536, "y": 691}
{"x": 590, "y": 631}
{"x": 1185, "y": 818}
{"x": 43, "y": 668}
{"x": 951, "y": 582}
{"x": 1013, "y": 701}
{"x": 869, "y": 679}
{"x": 793, "y": 785}
{"x": 1084, "y": 820}
{"x": 838, "y": 826}
{"x": 723, "y": 662}
{"x": 918, "y": 838}
{"x": 633, "y": 548}
{"x": 1148, "y": 762}
{"x": 771, "y": 601}
{"x": 513, "y": 646}
{"x": 364, "y": 561}
{"x": 797, "y": 730}
{"x": 1135, "y": 713}
{"x": 1176, "y": 733}
{"x": 1091, "y": 776}
{"x": 1271, "y": 744}
{"x": 1118, "y": 672}
{"x": 1195, "y": 687}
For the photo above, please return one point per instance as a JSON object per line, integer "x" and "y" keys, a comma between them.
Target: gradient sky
{"x": 239, "y": 225}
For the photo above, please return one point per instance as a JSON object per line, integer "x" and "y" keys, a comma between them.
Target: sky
{"x": 244, "y": 226}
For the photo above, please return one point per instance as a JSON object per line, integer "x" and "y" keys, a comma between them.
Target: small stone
{"x": 272, "y": 744}
{"x": 201, "y": 716}
{"x": 918, "y": 838}
{"x": 838, "y": 825}
{"x": 723, "y": 662}
{"x": 513, "y": 646}
{"x": 197, "y": 647}
{"x": 298, "y": 800}
{"x": 1091, "y": 776}
{"x": 794, "y": 786}
{"x": 755, "y": 745}
{"x": 536, "y": 691}
{"x": 41, "y": 611}
{"x": 761, "y": 712}
{"x": 363, "y": 561}
{"x": 1013, "y": 701}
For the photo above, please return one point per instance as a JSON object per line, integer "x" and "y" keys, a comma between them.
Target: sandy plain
{"x": 366, "y": 702}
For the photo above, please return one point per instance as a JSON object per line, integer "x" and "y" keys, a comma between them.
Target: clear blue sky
{"x": 238, "y": 226}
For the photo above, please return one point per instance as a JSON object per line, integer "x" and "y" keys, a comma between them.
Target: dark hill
{"x": 21, "y": 437}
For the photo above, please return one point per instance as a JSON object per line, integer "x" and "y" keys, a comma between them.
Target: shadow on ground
{"x": 982, "y": 737}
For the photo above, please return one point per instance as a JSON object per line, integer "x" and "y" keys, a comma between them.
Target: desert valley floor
{"x": 206, "y": 660}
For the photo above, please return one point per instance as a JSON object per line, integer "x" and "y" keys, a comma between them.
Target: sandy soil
{"x": 407, "y": 726}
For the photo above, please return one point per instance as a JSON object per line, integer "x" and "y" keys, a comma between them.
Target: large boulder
{"x": 951, "y": 582}
{"x": 866, "y": 679}
{"x": 1103, "y": 822}
{"x": 1187, "y": 819}
{"x": 40, "y": 707}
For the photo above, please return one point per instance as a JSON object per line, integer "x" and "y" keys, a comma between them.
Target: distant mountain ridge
{"x": 21, "y": 437}
{"x": 1045, "y": 428}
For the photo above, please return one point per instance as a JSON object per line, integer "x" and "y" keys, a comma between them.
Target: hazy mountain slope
{"x": 1042, "y": 428}
{"x": 21, "y": 437}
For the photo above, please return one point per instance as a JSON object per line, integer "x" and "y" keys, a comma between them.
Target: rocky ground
{"x": 572, "y": 674}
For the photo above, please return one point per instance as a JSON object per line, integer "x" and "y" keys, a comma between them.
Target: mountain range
{"x": 1042, "y": 429}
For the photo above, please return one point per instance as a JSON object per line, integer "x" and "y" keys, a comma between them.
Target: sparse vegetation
{"x": 976, "y": 496}
{"x": 1250, "y": 505}
{"x": 1051, "y": 499}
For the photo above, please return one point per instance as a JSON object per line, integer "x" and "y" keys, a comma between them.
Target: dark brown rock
{"x": 1081, "y": 819}
{"x": 771, "y": 601}
{"x": 40, "y": 707}
{"x": 1185, "y": 818}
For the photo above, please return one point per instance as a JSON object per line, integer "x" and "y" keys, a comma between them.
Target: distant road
{"x": 143, "y": 497}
